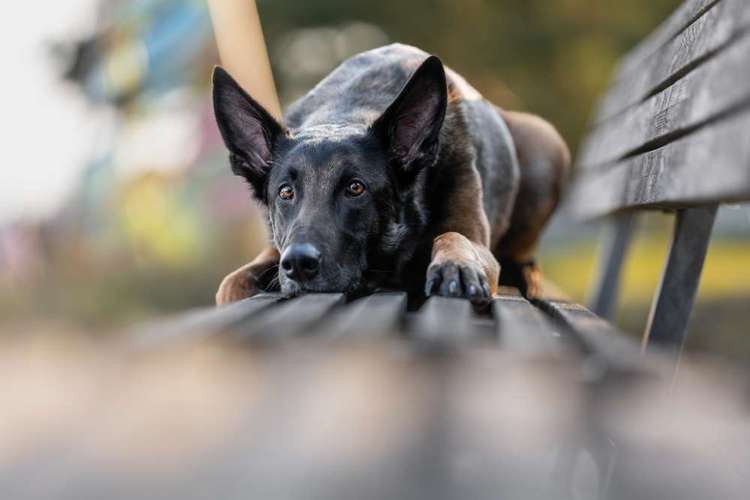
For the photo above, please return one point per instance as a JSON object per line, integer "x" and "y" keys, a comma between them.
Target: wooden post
{"x": 606, "y": 289}
{"x": 242, "y": 49}
{"x": 667, "y": 324}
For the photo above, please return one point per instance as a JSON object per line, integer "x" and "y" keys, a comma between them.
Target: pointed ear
{"x": 411, "y": 125}
{"x": 248, "y": 130}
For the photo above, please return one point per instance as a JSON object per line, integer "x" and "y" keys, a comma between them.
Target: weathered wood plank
{"x": 522, "y": 328}
{"x": 201, "y": 322}
{"x": 707, "y": 35}
{"x": 376, "y": 315}
{"x": 710, "y": 166}
{"x": 673, "y": 302}
{"x": 710, "y": 91}
{"x": 289, "y": 318}
{"x": 605, "y": 347}
{"x": 615, "y": 244}
{"x": 685, "y": 15}
{"x": 444, "y": 319}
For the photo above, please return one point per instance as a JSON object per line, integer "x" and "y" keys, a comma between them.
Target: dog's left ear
{"x": 411, "y": 125}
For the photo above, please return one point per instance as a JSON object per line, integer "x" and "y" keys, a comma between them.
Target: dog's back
{"x": 358, "y": 90}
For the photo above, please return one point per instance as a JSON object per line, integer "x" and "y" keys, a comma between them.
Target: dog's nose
{"x": 300, "y": 261}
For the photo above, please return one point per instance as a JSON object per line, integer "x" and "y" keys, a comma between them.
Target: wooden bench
{"x": 671, "y": 134}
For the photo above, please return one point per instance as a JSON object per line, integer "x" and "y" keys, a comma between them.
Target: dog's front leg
{"x": 246, "y": 281}
{"x": 461, "y": 268}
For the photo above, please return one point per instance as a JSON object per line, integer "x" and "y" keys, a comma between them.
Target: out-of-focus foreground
{"x": 154, "y": 218}
{"x": 368, "y": 420}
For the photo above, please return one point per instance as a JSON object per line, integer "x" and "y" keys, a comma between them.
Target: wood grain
{"x": 708, "y": 34}
{"x": 377, "y": 315}
{"x": 709, "y": 166}
{"x": 524, "y": 329}
{"x": 290, "y": 318}
{"x": 686, "y": 14}
{"x": 607, "y": 350}
{"x": 445, "y": 320}
{"x": 712, "y": 90}
{"x": 201, "y": 322}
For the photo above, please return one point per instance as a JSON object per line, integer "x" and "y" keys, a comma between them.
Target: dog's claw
{"x": 428, "y": 287}
{"x": 457, "y": 279}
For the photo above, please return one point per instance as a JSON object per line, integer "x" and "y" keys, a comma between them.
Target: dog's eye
{"x": 355, "y": 188}
{"x": 286, "y": 192}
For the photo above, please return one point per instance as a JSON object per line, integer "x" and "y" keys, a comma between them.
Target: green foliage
{"x": 553, "y": 58}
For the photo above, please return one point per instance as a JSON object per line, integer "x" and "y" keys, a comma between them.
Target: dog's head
{"x": 340, "y": 197}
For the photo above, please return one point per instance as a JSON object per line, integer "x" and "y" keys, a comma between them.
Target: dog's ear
{"x": 248, "y": 130}
{"x": 410, "y": 126}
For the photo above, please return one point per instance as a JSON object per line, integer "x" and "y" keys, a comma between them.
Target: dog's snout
{"x": 301, "y": 262}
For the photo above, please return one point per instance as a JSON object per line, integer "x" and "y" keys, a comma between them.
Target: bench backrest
{"x": 673, "y": 129}
{"x": 671, "y": 133}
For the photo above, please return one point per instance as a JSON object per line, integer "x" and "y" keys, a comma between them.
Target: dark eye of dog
{"x": 286, "y": 192}
{"x": 355, "y": 188}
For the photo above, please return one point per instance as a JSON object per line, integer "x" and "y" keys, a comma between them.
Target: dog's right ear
{"x": 248, "y": 130}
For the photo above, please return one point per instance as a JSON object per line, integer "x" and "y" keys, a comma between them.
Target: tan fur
{"x": 243, "y": 282}
{"x": 468, "y": 217}
{"x": 544, "y": 161}
{"x": 459, "y": 88}
{"x": 457, "y": 248}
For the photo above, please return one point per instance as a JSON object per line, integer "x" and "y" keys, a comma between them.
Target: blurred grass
{"x": 720, "y": 322}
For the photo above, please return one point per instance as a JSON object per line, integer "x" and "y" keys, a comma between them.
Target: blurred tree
{"x": 550, "y": 57}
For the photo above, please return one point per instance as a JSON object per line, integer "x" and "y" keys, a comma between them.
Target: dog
{"x": 392, "y": 173}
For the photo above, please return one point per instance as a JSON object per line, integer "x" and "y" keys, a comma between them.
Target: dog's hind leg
{"x": 544, "y": 162}
{"x": 250, "y": 278}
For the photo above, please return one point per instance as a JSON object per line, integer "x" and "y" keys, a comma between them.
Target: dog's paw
{"x": 457, "y": 279}
{"x": 239, "y": 285}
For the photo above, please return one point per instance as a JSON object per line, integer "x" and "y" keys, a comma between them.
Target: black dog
{"x": 392, "y": 172}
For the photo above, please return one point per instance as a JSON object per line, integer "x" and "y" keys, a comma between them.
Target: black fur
{"x": 382, "y": 118}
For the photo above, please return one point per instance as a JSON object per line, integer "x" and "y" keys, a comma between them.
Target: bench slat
{"x": 444, "y": 319}
{"x": 685, "y": 15}
{"x": 706, "y": 167}
{"x": 203, "y": 321}
{"x": 602, "y": 342}
{"x": 708, "y": 92}
{"x": 291, "y": 317}
{"x": 699, "y": 41}
{"x": 522, "y": 328}
{"x": 375, "y": 315}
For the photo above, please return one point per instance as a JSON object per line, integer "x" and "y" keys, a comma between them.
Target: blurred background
{"x": 116, "y": 200}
